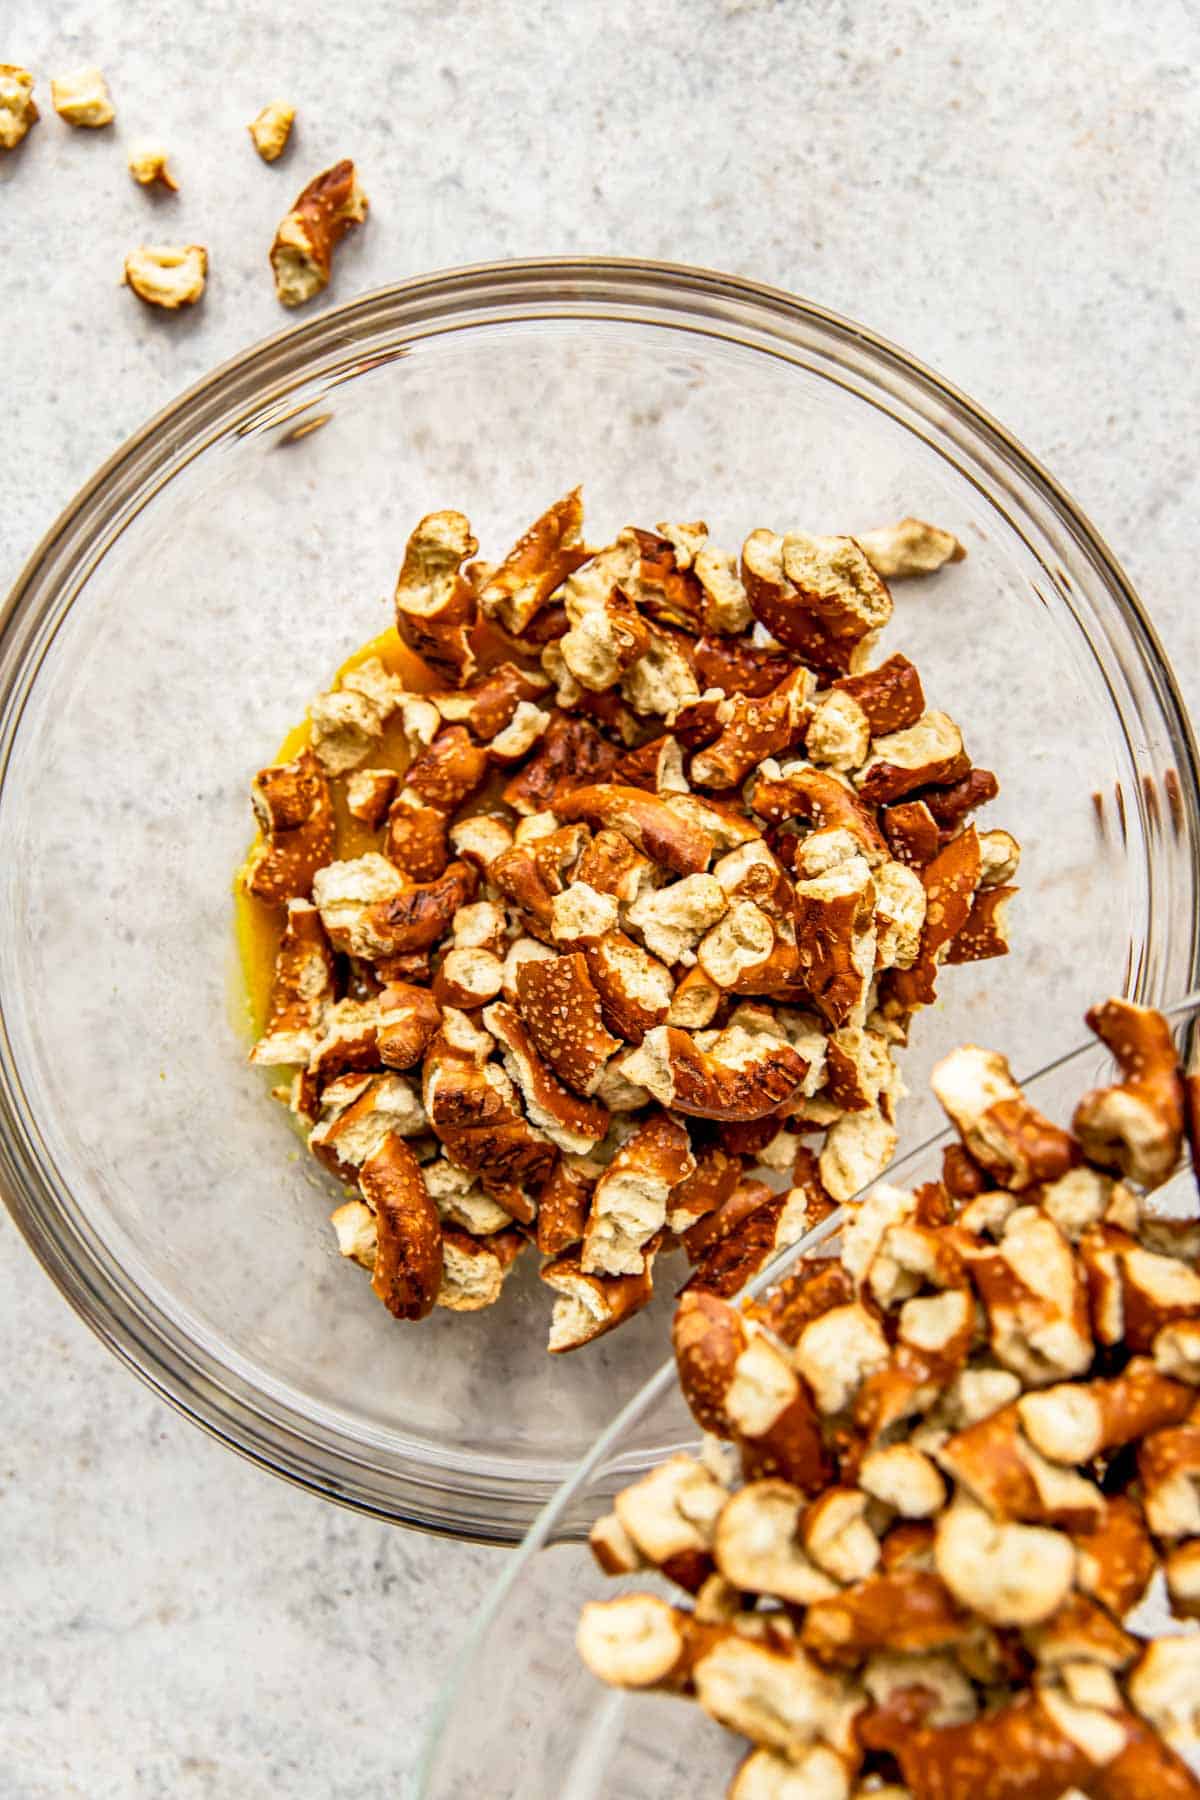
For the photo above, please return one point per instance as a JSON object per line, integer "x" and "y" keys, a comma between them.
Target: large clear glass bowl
{"x": 519, "y": 1702}
{"x": 178, "y": 618}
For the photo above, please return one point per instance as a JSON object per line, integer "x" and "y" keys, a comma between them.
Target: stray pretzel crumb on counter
{"x": 168, "y": 276}
{"x": 18, "y": 108}
{"x": 82, "y": 98}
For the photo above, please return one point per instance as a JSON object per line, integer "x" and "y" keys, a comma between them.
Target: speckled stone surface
{"x": 1008, "y": 196}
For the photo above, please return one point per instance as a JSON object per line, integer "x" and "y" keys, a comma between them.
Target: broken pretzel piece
{"x": 1169, "y": 1467}
{"x": 639, "y": 1641}
{"x": 1137, "y": 1125}
{"x": 950, "y": 880}
{"x": 839, "y": 732}
{"x": 650, "y": 823}
{"x": 1035, "y": 1298}
{"x": 912, "y": 833}
{"x": 1074, "y": 1423}
{"x": 607, "y": 635}
{"x": 369, "y": 794}
{"x": 409, "y": 1018}
{"x": 668, "y": 1518}
{"x": 538, "y": 563}
{"x": 436, "y": 607}
{"x": 348, "y": 721}
{"x": 757, "y": 1547}
{"x": 447, "y": 770}
{"x": 302, "y": 254}
{"x": 489, "y": 705}
{"x": 996, "y": 1465}
{"x": 570, "y": 754}
{"x": 835, "y": 939}
{"x": 168, "y": 276}
{"x": 984, "y": 932}
{"x": 474, "y": 1269}
{"x": 750, "y": 1077}
{"x": 591, "y": 1305}
{"x": 302, "y": 990}
{"x": 635, "y": 989}
{"x": 563, "y": 1204}
{"x": 906, "y": 1609}
{"x": 565, "y": 1118}
{"x": 468, "y": 978}
{"x": 358, "y": 1111}
{"x": 754, "y": 728}
{"x": 967, "y": 1443}
{"x": 625, "y": 995}
{"x": 824, "y": 800}
{"x": 730, "y": 1245}
{"x": 738, "y": 665}
{"x": 149, "y": 168}
{"x": 704, "y": 1192}
{"x": 1010, "y": 1574}
{"x": 407, "y": 1273}
{"x": 909, "y": 548}
{"x": 472, "y": 1107}
{"x": 18, "y": 109}
{"x": 1015, "y": 1753}
{"x": 890, "y": 696}
{"x": 82, "y": 98}
{"x": 416, "y": 840}
{"x": 294, "y": 810}
{"x": 271, "y": 129}
{"x": 630, "y": 1199}
{"x": 742, "y": 1387}
{"x": 671, "y": 920}
{"x": 929, "y": 752}
{"x": 370, "y": 911}
{"x": 819, "y": 596}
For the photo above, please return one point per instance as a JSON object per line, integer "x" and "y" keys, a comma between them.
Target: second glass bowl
{"x": 539, "y": 1722}
{"x": 178, "y": 619}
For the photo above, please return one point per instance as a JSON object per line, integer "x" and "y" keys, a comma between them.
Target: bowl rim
{"x": 582, "y": 287}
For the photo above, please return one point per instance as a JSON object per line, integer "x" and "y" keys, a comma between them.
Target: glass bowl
{"x": 179, "y": 617}
{"x": 540, "y": 1724}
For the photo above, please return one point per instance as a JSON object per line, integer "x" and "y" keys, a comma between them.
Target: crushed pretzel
{"x": 271, "y": 129}
{"x": 910, "y": 548}
{"x": 149, "y": 167}
{"x": 302, "y": 253}
{"x": 18, "y": 108}
{"x": 168, "y": 276}
{"x": 82, "y": 98}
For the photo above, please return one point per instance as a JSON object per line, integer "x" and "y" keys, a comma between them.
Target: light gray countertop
{"x": 1006, "y": 190}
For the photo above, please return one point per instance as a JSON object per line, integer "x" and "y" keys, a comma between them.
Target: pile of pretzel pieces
{"x": 654, "y": 901}
{"x": 943, "y": 1468}
{"x": 172, "y": 277}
